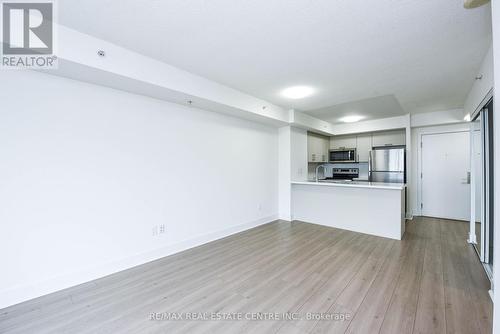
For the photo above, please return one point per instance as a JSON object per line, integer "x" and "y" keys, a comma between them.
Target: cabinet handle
{"x": 388, "y": 144}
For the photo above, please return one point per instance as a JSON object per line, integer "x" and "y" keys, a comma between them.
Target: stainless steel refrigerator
{"x": 387, "y": 164}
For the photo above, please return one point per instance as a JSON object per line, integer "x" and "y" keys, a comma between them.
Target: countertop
{"x": 354, "y": 184}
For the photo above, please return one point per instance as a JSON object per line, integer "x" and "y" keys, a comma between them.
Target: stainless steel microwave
{"x": 343, "y": 155}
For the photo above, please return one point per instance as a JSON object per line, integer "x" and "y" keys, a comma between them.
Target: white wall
{"x": 87, "y": 171}
{"x": 284, "y": 169}
{"x": 480, "y": 87}
{"x": 415, "y": 157}
{"x": 298, "y": 155}
{"x": 437, "y": 117}
{"x": 292, "y": 165}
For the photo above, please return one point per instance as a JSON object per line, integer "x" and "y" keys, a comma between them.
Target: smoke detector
{"x": 469, "y": 4}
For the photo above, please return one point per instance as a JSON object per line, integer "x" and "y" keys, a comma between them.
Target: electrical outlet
{"x": 162, "y": 228}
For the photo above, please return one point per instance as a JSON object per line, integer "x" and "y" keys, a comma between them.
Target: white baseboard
{"x": 285, "y": 217}
{"x": 23, "y": 293}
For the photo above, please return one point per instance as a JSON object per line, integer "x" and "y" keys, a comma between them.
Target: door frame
{"x": 472, "y": 229}
{"x": 487, "y": 191}
{"x": 464, "y": 127}
{"x": 473, "y": 208}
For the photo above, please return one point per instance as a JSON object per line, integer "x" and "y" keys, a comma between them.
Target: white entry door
{"x": 445, "y": 186}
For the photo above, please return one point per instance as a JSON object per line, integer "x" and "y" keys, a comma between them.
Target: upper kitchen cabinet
{"x": 317, "y": 147}
{"x": 341, "y": 142}
{"x": 388, "y": 138}
{"x": 363, "y": 146}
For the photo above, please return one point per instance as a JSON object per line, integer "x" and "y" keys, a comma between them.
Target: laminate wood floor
{"x": 430, "y": 282}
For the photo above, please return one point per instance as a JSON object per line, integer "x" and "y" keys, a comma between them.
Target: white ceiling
{"x": 375, "y": 58}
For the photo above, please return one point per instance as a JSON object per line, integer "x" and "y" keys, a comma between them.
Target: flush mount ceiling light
{"x": 474, "y": 3}
{"x": 351, "y": 119}
{"x": 297, "y": 92}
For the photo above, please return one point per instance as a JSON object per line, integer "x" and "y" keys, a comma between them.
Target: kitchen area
{"x": 355, "y": 182}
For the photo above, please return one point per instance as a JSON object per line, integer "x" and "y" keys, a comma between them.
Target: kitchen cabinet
{"x": 364, "y": 142}
{"x": 317, "y": 148}
{"x": 341, "y": 142}
{"x": 388, "y": 138}
{"x": 363, "y": 146}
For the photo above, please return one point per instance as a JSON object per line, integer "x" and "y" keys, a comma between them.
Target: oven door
{"x": 343, "y": 155}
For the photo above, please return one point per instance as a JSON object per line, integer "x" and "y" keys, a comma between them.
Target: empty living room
{"x": 287, "y": 166}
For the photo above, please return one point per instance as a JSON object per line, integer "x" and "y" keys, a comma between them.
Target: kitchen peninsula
{"x": 368, "y": 207}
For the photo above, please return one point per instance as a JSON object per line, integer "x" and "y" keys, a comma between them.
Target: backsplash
{"x": 363, "y": 169}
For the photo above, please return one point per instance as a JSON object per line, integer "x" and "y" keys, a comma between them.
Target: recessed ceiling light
{"x": 351, "y": 119}
{"x": 297, "y": 92}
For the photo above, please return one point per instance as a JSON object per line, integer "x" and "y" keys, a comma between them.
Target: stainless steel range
{"x": 344, "y": 173}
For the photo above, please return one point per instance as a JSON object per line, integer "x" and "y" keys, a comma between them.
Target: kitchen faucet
{"x": 317, "y": 169}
